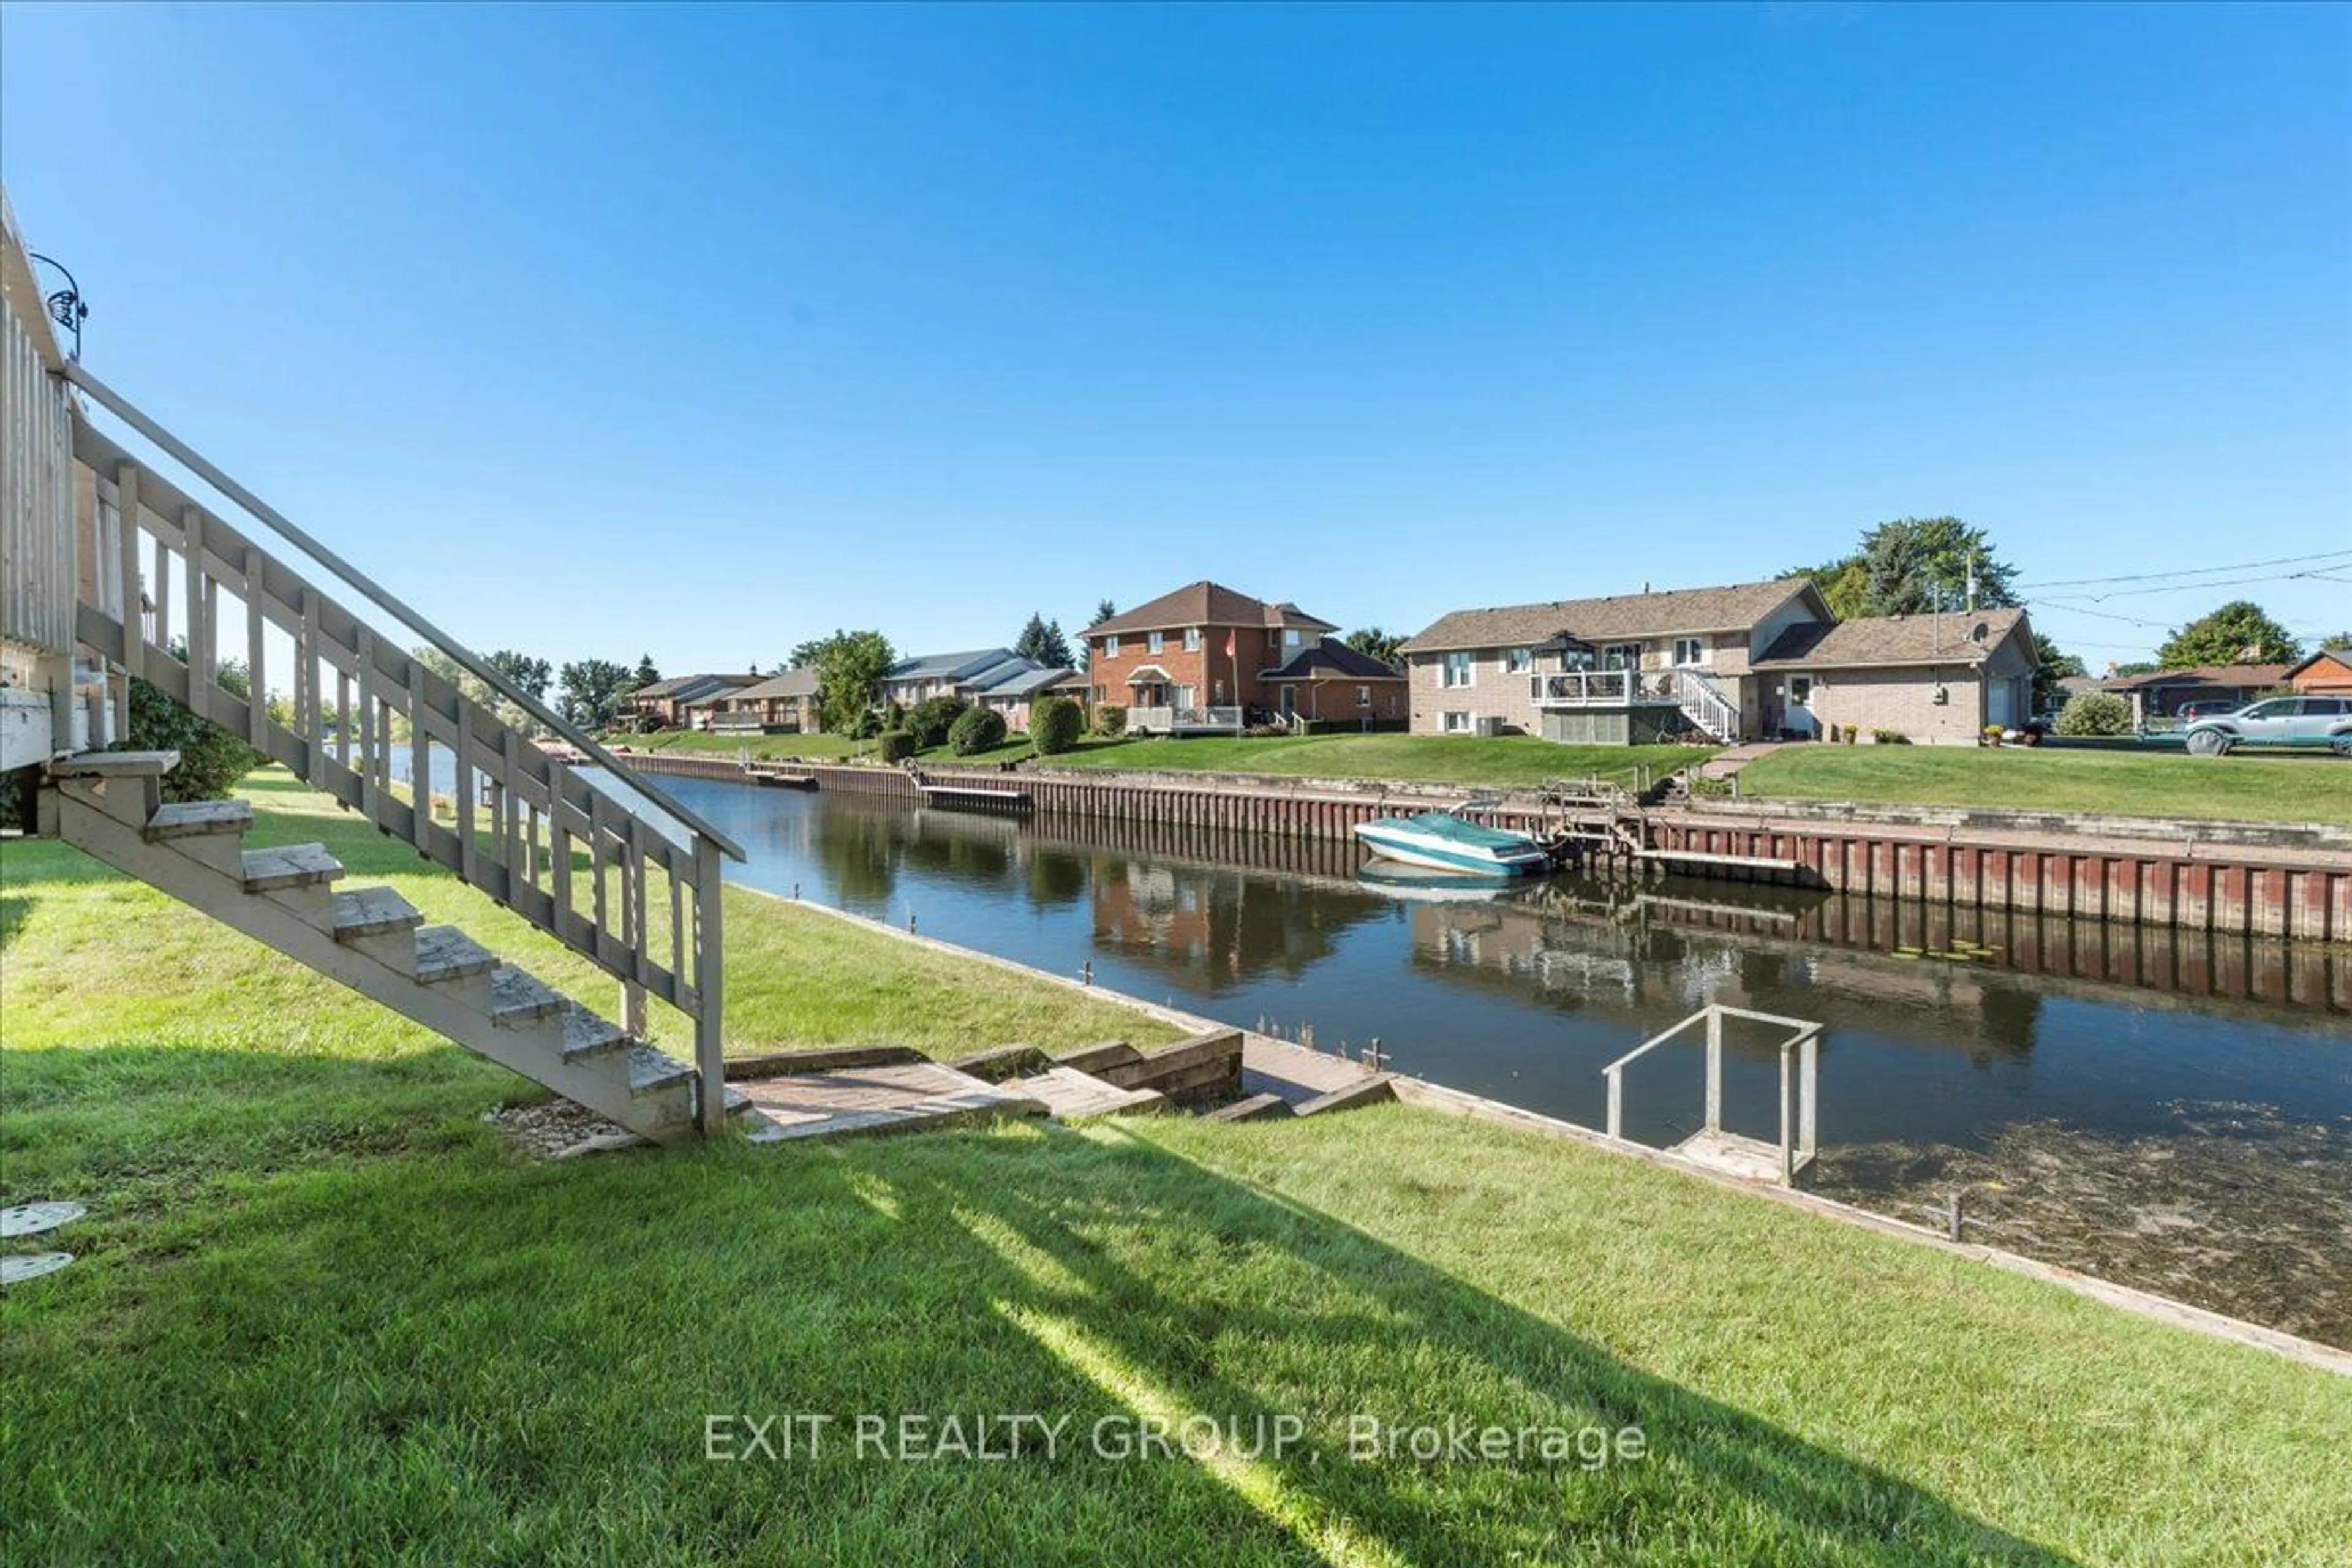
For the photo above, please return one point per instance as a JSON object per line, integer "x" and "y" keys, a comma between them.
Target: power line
{"x": 2216, "y": 582}
{"x": 2329, "y": 555}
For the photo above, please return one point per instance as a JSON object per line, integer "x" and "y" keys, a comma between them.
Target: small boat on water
{"x": 1445, "y": 842}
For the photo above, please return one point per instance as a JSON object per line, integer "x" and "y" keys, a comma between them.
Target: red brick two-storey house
{"x": 1203, "y": 657}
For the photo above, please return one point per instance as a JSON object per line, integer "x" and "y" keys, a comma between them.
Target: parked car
{"x": 2276, "y": 721}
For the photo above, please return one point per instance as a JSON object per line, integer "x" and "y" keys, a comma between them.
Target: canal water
{"x": 2165, "y": 1108}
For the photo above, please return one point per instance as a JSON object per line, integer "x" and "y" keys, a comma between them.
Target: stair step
{"x": 116, "y": 765}
{"x": 587, "y": 1034}
{"x": 373, "y": 912}
{"x": 444, "y": 953}
{"x": 651, "y": 1071}
{"x": 516, "y": 998}
{"x": 289, "y": 866}
{"x": 186, "y": 818}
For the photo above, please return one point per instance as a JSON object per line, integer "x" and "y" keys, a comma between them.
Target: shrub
{"x": 1890, "y": 737}
{"x": 978, "y": 730}
{"x": 1110, "y": 719}
{"x": 211, "y": 759}
{"x": 1054, "y": 725}
{"x": 2094, "y": 713}
{"x": 929, "y": 720}
{"x": 897, "y": 745}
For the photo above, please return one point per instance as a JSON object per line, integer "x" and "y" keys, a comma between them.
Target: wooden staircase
{"x": 108, "y": 805}
{"x": 119, "y": 567}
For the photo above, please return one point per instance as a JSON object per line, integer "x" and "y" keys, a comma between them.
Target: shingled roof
{"x": 1949, "y": 638}
{"x": 1206, "y": 603}
{"x": 791, "y": 683}
{"x": 2230, "y": 676}
{"x": 1331, "y": 656}
{"x": 1624, "y": 617}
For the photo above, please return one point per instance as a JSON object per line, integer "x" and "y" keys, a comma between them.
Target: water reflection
{"x": 1960, "y": 1044}
{"x": 1524, "y": 992}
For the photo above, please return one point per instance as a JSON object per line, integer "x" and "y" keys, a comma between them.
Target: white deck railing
{"x": 1800, "y": 1065}
{"x": 1168, "y": 720}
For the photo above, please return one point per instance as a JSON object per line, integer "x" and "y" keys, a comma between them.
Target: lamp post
{"x": 66, "y": 306}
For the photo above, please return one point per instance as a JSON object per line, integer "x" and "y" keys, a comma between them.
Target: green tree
{"x": 2137, "y": 666}
{"x": 2237, "y": 633}
{"x": 1104, "y": 610}
{"x": 1910, "y": 564}
{"x": 590, "y": 692}
{"x": 646, "y": 672}
{"x": 2049, "y": 668}
{"x": 2336, "y": 641}
{"x": 1042, "y": 642}
{"x": 535, "y": 675}
{"x": 1844, "y": 583}
{"x": 211, "y": 759}
{"x": 1379, "y": 642}
{"x": 849, "y": 665}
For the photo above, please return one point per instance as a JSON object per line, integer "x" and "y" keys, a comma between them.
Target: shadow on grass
{"x": 470, "y": 1356}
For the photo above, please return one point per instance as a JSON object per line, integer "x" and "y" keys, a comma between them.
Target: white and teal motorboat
{"x": 1445, "y": 842}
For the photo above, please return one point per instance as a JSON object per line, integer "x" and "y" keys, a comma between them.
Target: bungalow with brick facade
{"x": 2328, "y": 673}
{"x": 1330, "y": 683}
{"x": 1933, "y": 679}
{"x": 781, "y": 702}
{"x": 2163, "y": 693}
{"x": 1198, "y": 660}
{"x": 1626, "y": 669}
{"x": 663, "y": 703}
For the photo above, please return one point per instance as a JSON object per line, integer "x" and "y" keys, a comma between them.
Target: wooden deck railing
{"x": 38, "y": 551}
{"x": 646, "y": 905}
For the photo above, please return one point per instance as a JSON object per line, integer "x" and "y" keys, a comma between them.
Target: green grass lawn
{"x": 816, "y": 747}
{"x": 324, "y": 1315}
{"x": 2278, "y": 787}
{"x": 1499, "y": 761}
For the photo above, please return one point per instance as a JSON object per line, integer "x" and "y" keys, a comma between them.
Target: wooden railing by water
{"x": 229, "y": 618}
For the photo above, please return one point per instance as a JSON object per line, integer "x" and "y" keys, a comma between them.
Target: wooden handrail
{"x": 122, "y": 408}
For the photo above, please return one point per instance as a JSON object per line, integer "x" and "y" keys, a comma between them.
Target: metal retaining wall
{"x": 2234, "y": 889}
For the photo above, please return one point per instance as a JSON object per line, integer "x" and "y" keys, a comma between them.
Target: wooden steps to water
{"x": 1071, "y": 1095}
{"x": 887, "y": 1097}
{"x": 368, "y": 938}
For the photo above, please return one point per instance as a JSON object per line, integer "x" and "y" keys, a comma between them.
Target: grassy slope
{"x": 324, "y": 1316}
{"x": 1445, "y": 759}
{"x": 2275, "y": 788}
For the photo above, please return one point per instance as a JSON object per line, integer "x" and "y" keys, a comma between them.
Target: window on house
{"x": 1191, "y": 639}
{"x": 1622, "y": 655}
{"x": 1688, "y": 650}
{"x": 1290, "y": 637}
{"x": 1457, "y": 723}
{"x": 1151, "y": 642}
{"x": 1457, "y": 667}
{"x": 1519, "y": 660}
{"x": 1111, "y": 647}
{"x": 1363, "y": 697}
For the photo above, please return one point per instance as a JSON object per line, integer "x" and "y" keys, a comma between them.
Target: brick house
{"x": 2328, "y": 673}
{"x": 2162, "y": 693}
{"x": 1330, "y": 682}
{"x": 1937, "y": 679}
{"x": 663, "y": 702}
{"x": 1197, "y": 658}
{"x": 781, "y": 703}
{"x": 1626, "y": 669}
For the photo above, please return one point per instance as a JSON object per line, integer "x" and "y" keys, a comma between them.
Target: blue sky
{"x": 697, "y": 331}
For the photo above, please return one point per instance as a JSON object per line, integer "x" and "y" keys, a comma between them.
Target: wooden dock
{"x": 890, "y": 1097}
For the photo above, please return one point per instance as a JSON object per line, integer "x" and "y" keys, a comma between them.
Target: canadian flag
{"x": 1231, "y": 647}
